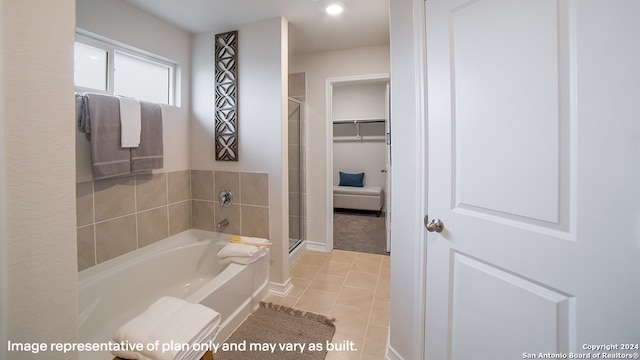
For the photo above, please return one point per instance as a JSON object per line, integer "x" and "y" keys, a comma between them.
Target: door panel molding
{"x": 480, "y": 292}
{"x": 488, "y": 53}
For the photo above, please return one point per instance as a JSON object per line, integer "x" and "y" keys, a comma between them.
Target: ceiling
{"x": 362, "y": 23}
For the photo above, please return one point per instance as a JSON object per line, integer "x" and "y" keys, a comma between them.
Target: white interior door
{"x": 534, "y": 169}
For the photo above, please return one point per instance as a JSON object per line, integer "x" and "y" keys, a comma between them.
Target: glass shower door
{"x": 296, "y": 175}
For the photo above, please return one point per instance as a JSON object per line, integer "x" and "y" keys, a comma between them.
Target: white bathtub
{"x": 184, "y": 265}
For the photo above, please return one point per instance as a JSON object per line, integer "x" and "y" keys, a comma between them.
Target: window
{"x": 111, "y": 69}
{"x": 90, "y": 67}
{"x": 141, "y": 79}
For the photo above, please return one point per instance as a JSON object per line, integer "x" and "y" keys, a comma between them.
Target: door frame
{"x": 328, "y": 97}
{"x": 409, "y": 157}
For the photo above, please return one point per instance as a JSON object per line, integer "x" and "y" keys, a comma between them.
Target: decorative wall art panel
{"x": 226, "y": 99}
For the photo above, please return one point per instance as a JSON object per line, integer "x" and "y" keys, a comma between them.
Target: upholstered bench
{"x": 358, "y": 198}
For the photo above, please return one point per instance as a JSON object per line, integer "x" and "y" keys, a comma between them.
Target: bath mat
{"x": 282, "y": 330}
{"x": 359, "y": 231}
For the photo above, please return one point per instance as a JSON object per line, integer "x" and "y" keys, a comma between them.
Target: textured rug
{"x": 279, "y": 332}
{"x": 359, "y": 231}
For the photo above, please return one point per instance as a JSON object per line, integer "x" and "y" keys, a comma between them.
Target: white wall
{"x": 262, "y": 120}
{"x": 121, "y": 22}
{"x": 407, "y": 180}
{"x": 360, "y": 101}
{"x": 319, "y": 67}
{"x": 38, "y": 167}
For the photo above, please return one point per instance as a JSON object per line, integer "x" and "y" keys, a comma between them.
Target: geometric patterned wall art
{"x": 226, "y": 100}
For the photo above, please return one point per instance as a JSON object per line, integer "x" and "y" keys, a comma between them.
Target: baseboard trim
{"x": 317, "y": 246}
{"x": 392, "y": 354}
{"x": 281, "y": 289}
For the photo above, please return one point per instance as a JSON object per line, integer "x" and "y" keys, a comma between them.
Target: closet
{"x": 360, "y": 124}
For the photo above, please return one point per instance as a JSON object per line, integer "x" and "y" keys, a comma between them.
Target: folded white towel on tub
{"x": 243, "y": 253}
{"x": 168, "y": 321}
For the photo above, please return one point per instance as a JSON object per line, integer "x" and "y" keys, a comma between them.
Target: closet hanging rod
{"x": 358, "y": 121}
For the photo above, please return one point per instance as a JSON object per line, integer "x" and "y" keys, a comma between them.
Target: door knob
{"x": 434, "y": 225}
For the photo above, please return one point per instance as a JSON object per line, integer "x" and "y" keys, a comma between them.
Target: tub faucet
{"x": 222, "y": 224}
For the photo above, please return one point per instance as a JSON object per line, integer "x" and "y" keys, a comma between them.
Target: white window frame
{"x": 111, "y": 47}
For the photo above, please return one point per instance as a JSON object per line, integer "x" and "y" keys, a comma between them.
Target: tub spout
{"x": 222, "y": 224}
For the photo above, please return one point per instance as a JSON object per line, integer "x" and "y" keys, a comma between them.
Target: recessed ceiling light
{"x": 334, "y": 9}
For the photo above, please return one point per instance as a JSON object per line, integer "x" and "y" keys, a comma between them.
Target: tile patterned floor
{"x": 351, "y": 287}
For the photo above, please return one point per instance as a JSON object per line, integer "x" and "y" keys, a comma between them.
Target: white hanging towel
{"x": 130, "y": 125}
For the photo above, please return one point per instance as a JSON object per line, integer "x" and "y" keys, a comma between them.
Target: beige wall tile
{"x": 227, "y": 180}
{"x": 86, "y": 247}
{"x": 179, "y": 217}
{"x": 255, "y": 221}
{"x": 231, "y": 213}
{"x": 115, "y": 237}
{"x": 113, "y": 198}
{"x": 202, "y": 185}
{"x": 254, "y": 189}
{"x": 202, "y": 215}
{"x": 84, "y": 203}
{"x": 179, "y": 185}
{"x": 153, "y": 225}
{"x": 294, "y": 181}
{"x": 151, "y": 191}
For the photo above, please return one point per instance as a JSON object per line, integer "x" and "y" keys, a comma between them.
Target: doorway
{"x": 358, "y": 127}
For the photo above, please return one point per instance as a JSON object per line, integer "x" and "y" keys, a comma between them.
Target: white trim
{"x": 297, "y": 252}
{"x": 419, "y": 29}
{"x": 113, "y": 47}
{"x": 3, "y": 224}
{"x": 281, "y": 289}
{"x": 392, "y": 354}
{"x": 318, "y": 246}
{"x": 328, "y": 96}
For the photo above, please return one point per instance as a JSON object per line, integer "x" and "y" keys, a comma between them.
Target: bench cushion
{"x": 361, "y": 198}
{"x": 365, "y": 190}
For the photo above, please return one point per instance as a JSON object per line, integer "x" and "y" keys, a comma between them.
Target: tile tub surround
{"x": 248, "y": 215}
{"x": 116, "y": 216}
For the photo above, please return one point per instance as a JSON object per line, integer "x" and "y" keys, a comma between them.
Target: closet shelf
{"x": 358, "y": 121}
{"x": 359, "y": 138}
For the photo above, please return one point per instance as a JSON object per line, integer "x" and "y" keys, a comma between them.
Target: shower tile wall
{"x": 116, "y": 216}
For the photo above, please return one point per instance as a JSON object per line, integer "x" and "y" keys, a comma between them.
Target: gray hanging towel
{"x": 149, "y": 155}
{"x": 101, "y": 119}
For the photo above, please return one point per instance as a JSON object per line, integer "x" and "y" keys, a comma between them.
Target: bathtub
{"x": 184, "y": 265}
